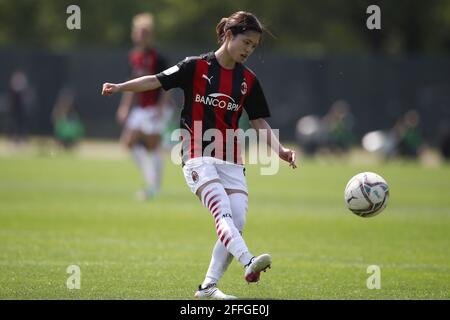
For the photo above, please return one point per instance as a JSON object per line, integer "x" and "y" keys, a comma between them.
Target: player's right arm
{"x": 141, "y": 84}
{"x": 178, "y": 76}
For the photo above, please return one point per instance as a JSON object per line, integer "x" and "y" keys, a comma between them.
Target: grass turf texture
{"x": 64, "y": 209}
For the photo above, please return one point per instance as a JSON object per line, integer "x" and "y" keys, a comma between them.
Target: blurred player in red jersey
{"x": 217, "y": 88}
{"x": 145, "y": 115}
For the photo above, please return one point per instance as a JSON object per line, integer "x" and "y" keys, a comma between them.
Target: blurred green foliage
{"x": 300, "y": 26}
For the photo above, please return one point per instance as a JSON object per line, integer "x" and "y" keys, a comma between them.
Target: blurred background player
{"x": 67, "y": 125}
{"x": 339, "y": 123}
{"x": 144, "y": 115}
{"x": 334, "y": 132}
{"x": 408, "y": 135}
{"x": 19, "y": 98}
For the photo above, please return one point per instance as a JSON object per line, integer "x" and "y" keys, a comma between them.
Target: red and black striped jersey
{"x": 214, "y": 98}
{"x": 144, "y": 63}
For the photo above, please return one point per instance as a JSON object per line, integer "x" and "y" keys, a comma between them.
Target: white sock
{"x": 221, "y": 258}
{"x": 239, "y": 205}
{"x": 220, "y": 261}
{"x": 216, "y": 200}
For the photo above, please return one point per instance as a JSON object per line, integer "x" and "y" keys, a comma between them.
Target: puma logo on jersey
{"x": 207, "y": 79}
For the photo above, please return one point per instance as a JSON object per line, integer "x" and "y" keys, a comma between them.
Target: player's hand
{"x": 109, "y": 89}
{"x": 288, "y": 156}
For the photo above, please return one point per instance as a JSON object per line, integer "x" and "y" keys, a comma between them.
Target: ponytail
{"x": 220, "y": 30}
{"x": 238, "y": 22}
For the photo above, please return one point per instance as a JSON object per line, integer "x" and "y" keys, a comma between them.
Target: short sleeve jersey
{"x": 214, "y": 98}
{"x": 144, "y": 63}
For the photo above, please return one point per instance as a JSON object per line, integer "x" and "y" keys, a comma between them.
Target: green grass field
{"x": 60, "y": 209}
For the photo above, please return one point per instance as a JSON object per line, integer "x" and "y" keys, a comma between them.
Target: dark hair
{"x": 237, "y": 23}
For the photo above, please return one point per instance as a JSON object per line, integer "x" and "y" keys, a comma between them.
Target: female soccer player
{"x": 217, "y": 87}
{"x": 144, "y": 115}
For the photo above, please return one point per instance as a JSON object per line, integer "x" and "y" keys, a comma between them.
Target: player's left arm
{"x": 273, "y": 142}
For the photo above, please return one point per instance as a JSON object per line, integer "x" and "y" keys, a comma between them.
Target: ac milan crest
{"x": 194, "y": 175}
{"x": 244, "y": 87}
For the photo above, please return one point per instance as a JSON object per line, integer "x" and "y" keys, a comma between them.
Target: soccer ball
{"x": 366, "y": 194}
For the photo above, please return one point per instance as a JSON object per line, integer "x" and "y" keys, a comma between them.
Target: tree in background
{"x": 300, "y": 26}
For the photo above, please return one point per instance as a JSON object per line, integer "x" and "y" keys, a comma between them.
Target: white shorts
{"x": 198, "y": 171}
{"x": 147, "y": 120}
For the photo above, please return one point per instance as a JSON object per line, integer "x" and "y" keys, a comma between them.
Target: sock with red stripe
{"x": 221, "y": 258}
{"x": 216, "y": 200}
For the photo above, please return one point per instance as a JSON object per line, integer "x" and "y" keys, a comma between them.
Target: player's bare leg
{"x": 149, "y": 163}
{"x": 153, "y": 144}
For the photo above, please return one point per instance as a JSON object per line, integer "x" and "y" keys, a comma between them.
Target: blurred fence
{"x": 378, "y": 89}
